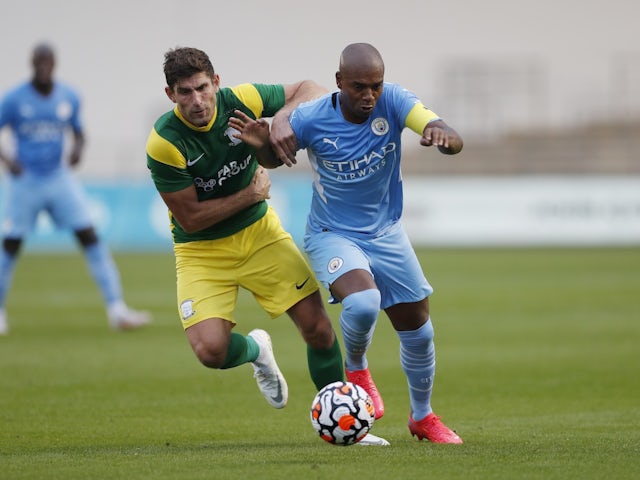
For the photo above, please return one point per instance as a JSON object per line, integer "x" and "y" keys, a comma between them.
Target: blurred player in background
{"x": 355, "y": 241}
{"x": 225, "y": 234}
{"x": 40, "y": 114}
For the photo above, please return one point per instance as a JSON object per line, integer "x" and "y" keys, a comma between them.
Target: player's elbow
{"x": 188, "y": 223}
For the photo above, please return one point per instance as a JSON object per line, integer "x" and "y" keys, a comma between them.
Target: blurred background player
{"x": 40, "y": 114}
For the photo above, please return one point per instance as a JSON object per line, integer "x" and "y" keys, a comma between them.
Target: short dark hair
{"x": 183, "y": 62}
{"x": 43, "y": 49}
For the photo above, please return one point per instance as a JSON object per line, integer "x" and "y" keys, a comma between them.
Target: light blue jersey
{"x": 354, "y": 222}
{"x": 357, "y": 187}
{"x": 39, "y": 123}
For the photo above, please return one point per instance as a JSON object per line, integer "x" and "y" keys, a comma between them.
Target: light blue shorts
{"x": 59, "y": 194}
{"x": 389, "y": 258}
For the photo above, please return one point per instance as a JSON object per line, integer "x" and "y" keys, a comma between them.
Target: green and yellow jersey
{"x": 210, "y": 158}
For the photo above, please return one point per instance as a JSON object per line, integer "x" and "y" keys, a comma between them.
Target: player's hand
{"x": 283, "y": 140}
{"x": 74, "y": 158}
{"x": 14, "y": 168}
{"x": 442, "y": 136}
{"x": 261, "y": 184}
{"x": 435, "y": 136}
{"x": 250, "y": 131}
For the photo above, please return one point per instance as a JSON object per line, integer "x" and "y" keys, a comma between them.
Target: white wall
{"x": 113, "y": 52}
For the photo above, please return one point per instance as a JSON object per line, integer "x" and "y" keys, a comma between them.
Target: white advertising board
{"x": 532, "y": 210}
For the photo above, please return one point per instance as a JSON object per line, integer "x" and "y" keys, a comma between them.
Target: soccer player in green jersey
{"x": 225, "y": 234}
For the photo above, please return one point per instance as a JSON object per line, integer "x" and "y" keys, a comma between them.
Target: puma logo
{"x": 331, "y": 142}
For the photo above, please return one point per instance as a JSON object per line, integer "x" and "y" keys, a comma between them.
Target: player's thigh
{"x": 206, "y": 280}
{"x": 23, "y": 200}
{"x": 276, "y": 271}
{"x": 68, "y": 203}
{"x": 396, "y": 269}
{"x": 332, "y": 255}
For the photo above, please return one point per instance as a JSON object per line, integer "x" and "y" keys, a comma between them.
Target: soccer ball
{"x": 342, "y": 413}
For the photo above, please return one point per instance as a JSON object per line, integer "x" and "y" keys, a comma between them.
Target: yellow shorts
{"x": 262, "y": 258}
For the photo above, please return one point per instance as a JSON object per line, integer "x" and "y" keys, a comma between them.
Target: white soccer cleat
{"x": 4, "y": 326}
{"x": 371, "y": 439}
{"x": 270, "y": 380}
{"x": 124, "y": 318}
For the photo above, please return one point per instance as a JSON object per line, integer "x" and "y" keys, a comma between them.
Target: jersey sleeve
{"x": 75, "y": 120}
{"x": 410, "y": 112}
{"x": 418, "y": 118}
{"x": 167, "y": 165}
{"x": 262, "y": 99}
{"x": 297, "y": 122}
{"x": 5, "y": 110}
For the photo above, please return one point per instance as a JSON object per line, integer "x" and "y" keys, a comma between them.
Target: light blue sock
{"x": 358, "y": 321}
{"x": 104, "y": 271}
{"x": 418, "y": 360}
{"x": 7, "y": 266}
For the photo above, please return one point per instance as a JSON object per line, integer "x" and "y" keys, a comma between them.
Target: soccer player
{"x": 40, "y": 113}
{"x": 225, "y": 234}
{"x": 355, "y": 241}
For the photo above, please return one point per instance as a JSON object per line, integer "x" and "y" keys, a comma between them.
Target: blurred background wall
{"x": 546, "y": 95}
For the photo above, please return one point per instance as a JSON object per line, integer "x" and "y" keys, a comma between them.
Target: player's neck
{"x": 44, "y": 88}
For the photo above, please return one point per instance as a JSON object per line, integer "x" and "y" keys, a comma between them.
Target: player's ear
{"x": 338, "y": 80}
{"x": 170, "y": 94}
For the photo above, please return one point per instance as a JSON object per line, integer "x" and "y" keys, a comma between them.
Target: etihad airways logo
{"x": 370, "y": 163}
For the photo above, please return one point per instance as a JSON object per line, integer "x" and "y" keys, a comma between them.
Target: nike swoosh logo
{"x": 278, "y": 397}
{"x": 191, "y": 163}
{"x": 298, "y": 287}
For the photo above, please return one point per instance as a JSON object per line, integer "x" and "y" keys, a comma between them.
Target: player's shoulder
{"x": 68, "y": 91}
{"x": 392, "y": 89}
{"x": 316, "y": 104}
{"x": 16, "y": 91}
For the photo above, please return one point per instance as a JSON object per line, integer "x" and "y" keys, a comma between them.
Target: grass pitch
{"x": 538, "y": 371}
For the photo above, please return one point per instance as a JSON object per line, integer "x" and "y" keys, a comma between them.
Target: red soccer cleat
{"x": 431, "y": 428}
{"x": 363, "y": 378}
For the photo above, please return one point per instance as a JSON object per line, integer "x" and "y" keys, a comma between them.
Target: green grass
{"x": 538, "y": 371}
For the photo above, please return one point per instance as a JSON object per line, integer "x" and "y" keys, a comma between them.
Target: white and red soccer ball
{"x": 342, "y": 413}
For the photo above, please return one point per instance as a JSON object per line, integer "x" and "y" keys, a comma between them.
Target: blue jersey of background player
{"x": 356, "y": 244}
{"x": 40, "y": 113}
{"x": 40, "y": 122}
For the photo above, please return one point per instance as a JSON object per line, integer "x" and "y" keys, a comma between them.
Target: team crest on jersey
{"x": 379, "y": 126}
{"x": 186, "y": 310}
{"x": 335, "y": 264}
{"x": 230, "y": 132}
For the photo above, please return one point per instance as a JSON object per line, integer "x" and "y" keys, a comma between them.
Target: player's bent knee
{"x": 86, "y": 237}
{"x": 422, "y": 336}
{"x": 209, "y": 356}
{"x": 12, "y": 246}
{"x": 362, "y": 308}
